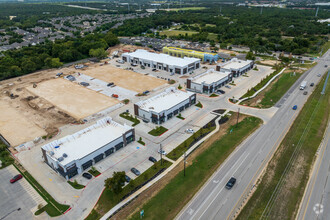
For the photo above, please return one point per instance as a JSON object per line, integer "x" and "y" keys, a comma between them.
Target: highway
{"x": 248, "y": 161}
{"x": 316, "y": 204}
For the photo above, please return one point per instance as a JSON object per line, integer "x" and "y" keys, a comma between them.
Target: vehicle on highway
{"x": 305, "y": 93}
{"x": 221, "y": 91}
{"x": 162, "y": 152}
{"x": 312, "y": 84}
{"x": 228, "y": 86}
{"x": 135, "y": 171}
{"x": 16, "y": 178}
{"x": 303, "y": 85}
{"x": 325, "y": 66}
{"x": 294, "y": 107}
{"x": 319, "y": 75}
{"x": 190, "y": 131}
{"x": 231, "y": 183}
{"x": 152, "y": 159}
{"x": 87, "y": 175}
{"x": 127, "y": 178}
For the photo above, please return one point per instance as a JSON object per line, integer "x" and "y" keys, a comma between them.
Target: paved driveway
{"x": 18, "y": 200}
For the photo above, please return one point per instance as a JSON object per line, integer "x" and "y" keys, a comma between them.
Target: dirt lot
{"x": 270, "y": 62}
{"x": 72, "y": 98}
{"x": 16, "y": 128}
{"x": 123, "y": 78}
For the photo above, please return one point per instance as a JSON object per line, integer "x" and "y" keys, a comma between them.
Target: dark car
{"x": 154, "y": 70}
{"x": 135, "y": 171}
{"x": 146, "y": 92}
{"x": 127, "y": 178}
{"x": 231, "y": 183}
{"x": 110, "y": 84}
{"x": 221, "y": 91}
{"x": 312, "y": 84}
{"x": 152, "y": 159}
{"x": 87, "y": 175}
{"x": 295, "y": 107}
{"x": 305, "y": 93}
{"x": 15, "y": 178}
{"x": 84, "y": 84}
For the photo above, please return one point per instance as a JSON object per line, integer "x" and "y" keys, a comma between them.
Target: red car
{"x": 15, "y": 178}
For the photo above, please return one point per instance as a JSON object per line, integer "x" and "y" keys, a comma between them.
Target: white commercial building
{"x": 235, "y": 66}
{"x": 162, "y": 61}
{"x": 209, "y": 81}
{"x": 165, "y": 105}
{"x": 75, "y": 153}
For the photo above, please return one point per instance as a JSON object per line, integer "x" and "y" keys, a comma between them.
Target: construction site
{"x": 35, "y": 106}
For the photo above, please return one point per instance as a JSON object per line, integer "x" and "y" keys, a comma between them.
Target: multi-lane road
{"x": 316, "y": 204}
{"x": 247, "y": 162}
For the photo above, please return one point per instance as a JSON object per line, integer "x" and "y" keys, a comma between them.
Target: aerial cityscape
{"x": 175, "y": 109}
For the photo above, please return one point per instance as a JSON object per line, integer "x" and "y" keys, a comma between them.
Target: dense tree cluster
{"x": 53, "y": 55}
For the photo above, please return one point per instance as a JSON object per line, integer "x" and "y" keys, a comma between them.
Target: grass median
{"x": 109, "y": 199}
{"x": 172, "y": 198}
{"x": 281, "y": 189}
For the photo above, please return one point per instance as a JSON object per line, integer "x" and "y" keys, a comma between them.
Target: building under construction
{"x": 180, "y": 52}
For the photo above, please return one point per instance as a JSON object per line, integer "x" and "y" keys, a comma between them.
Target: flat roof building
{"x": 235, "y": 66}
{"x": 75, "y": 153}
{"x": 162, "y": 61}
{"x": 181, "y": 52}
{"x": 165, "y": 105}
{"x": 209, "y": 81}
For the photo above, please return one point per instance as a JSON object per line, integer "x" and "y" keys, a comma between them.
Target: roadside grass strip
{"x": 109, "y": 199}
{"x": 168, "y": 202}
{"x": 76, "y": 185}
{"x": 53, "y": 208}
{"x": 158, "y": 131}
{"x": 129, "y": 117}
{"x": 281, "y": 189}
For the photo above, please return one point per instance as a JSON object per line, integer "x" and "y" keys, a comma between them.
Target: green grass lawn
{"x": 199, "y": 105}
{"x": 53, "y": 208}
{"x": 109, "y": 199}
{"x": 158, "y": 131}
{"x": 174, "y": 196}
{"x": 94, "y": 171}
{"x": 76, "y": 185}
{"x": 130, "y": 117}
{"x": 5, "y": 157}
{"x": 184, "y": 146}
{"x": 213, "y": 95}
{"x": 303, "y": 140}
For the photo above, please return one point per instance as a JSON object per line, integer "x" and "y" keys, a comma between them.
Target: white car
{"x": 190, "y": 131}
{"x": 162, "y": 152}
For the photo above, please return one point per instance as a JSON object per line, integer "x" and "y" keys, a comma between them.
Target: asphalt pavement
{"x": 247, "y": 162}
{"x": 316, "y": 202}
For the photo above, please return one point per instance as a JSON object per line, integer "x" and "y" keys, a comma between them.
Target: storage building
{"x": 75, "y": 153}
{"x": 165, "y": 105}
{"x": 162, "y": 61}
{"x": 209, "y": 81}
{"x": 235, "y": 66}
{"x": 181, "y": 52}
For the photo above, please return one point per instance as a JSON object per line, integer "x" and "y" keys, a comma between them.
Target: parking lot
{"x": 18, "y": 200}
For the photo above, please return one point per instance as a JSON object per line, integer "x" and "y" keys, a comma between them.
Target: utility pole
{"x": 220, "y": 9}
{"x": 317, "y": 11}
{"x": 237, "y": 117}
{"x": 161, "y": 154}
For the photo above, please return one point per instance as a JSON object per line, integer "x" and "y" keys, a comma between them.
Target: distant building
{"x": 180, "y": 52}
{"x": 235, "y": 66}
{"x": 165, "y": 105}
{"x": 209, "y": 81}
{"x": 75, "y": 153}
{"x": 162, "y": 61}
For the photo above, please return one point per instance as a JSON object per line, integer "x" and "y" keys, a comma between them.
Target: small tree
{"x": 179, "y": 87}
{"x": 116, "y": 182}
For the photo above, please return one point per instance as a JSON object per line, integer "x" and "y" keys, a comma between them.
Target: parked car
{"x": 319, "y": 75}
{"x": 154, "y": 70}
{"x": 127, "y": 178}
{"x": 110, "y": 84}
{"x": 84, "y": 84}
{"x": 87, "y": 175}
{"x": 228, "y": 86}
{"x": 305, "y": 93}
{"x": 231, "y": 183}
{"x": 295, "y": 107}
{"x": 16, "y": 178}
{"x": 189, "y": 131}
{"x": 221, "y": 91}
{"x": 152, "y": 159}
{"x": 162, "y": 152}
{"x": 145, "y": 120}
{"x": 312, "y": 84}
{"x": 135, "y": 171}
{"x": 146, "y": 92}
